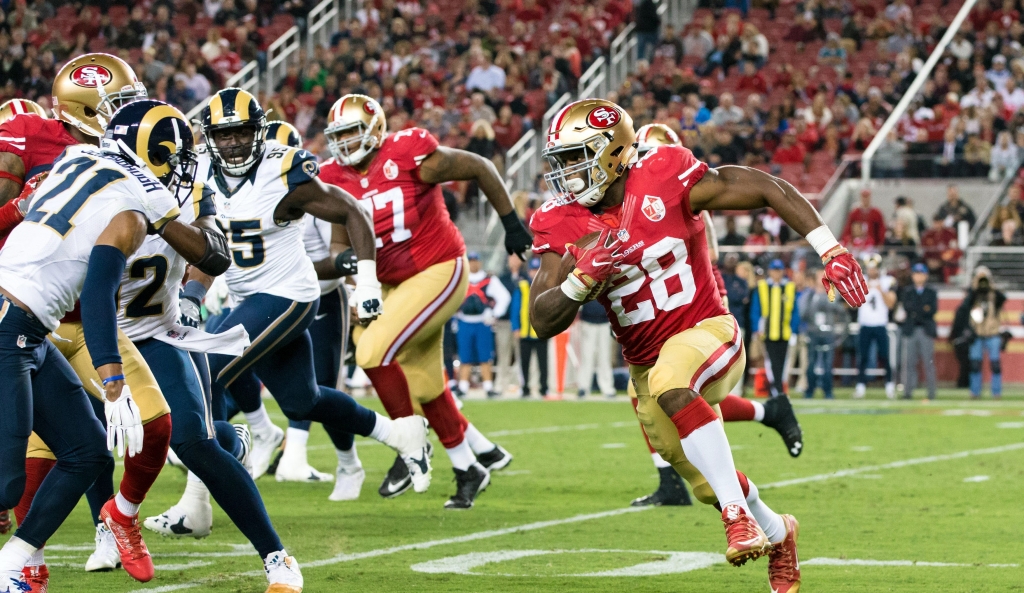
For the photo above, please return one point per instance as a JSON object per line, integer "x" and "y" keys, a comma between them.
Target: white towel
{"x": 233, "y": 341}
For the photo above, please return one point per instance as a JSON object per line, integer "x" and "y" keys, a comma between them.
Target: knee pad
{"x": 995, "y": 366}
{"x": 975, "y": 366}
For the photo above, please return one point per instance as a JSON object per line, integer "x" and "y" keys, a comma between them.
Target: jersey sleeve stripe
{"x": 690, "y": 170}
{"x": 166, "y": 218}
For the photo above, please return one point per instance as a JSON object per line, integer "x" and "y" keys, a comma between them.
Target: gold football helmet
{"x": 355, "y": 127}
{"x": 590, "y": 143}
{"x": 283, "y": 132}
{"x": 19, "y": 106}
{"x": 653, "y": 135}
{"x": 90, "y": 88}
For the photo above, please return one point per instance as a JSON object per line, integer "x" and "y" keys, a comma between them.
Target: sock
{"x": 770, "y": 521}
{"x": 461, "y": 455}
{"x": 259, "y": 421}
{"x": 348, "y": 460}
{"x": 464, "y": 386}
{"x": 392, "y": 388}
{"x": 195, "y": 491}
{"x": 296, "y": 438}
{"x": 758, "y": 411}
{"x": 127, "y": 508}
{"x": 382, "y": 429}
{"x": 15, "y": 554}
{"x": 658, "y": 461}
{"x": 38, "y": 558}
{"x": 737, "y": 409}
{"x": 142, "y": 470}
{"x": 446, "y": 419}
{"x": 35, "y": 472}
{"x": 488, "y": 386}
{"x": 477, "y": 441}
{"x": 707, "y": 448}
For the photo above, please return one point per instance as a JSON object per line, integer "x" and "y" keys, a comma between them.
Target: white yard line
{"x": 587, "y": 517}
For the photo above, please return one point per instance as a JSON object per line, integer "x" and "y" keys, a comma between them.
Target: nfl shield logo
{"x": 22, "y": 341}
{"x": 390, "y": 169}
{"x": 653, "y": 208}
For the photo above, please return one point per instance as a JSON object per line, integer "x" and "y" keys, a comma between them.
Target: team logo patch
{"x": 309, "y": 168}
{"x": 623, "y": 235}
{"x": 390, "y": 169}
{"x": 653, "y": 208}
{"x": 91, "y": 76}
{"x": 603, "y": 117}
{"x": 22, "y": 341}
{"x": 369, "y": 108}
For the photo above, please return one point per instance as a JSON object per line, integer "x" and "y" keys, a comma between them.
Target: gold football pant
{"x": 411, "y": 329}
{"x": 708, "y": 359}
{"x": 70, "y": 341}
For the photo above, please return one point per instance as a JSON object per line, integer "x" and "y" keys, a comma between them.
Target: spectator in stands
{"x": 912, "y": 221}
{"x": 1004, "y": 158}
{"x": 960, "y": 47}
{"x": 941, "y": 253}
{"x": 950, "y": 164}
{"x": 954, "y": 209}
{"x": 697, "y": 43}
{"x": 595, "y": 339}
{"x": 486, "y": 301}
{"x": 899, "y": 239}
{"x": 758, "y": 237}
{"x": 998, "y": 74}
{"x": 790, "y": 151}
{"x": 832, "y": 53}
{"x": 821, "y": 318}
{"x": 731, "y": 237}
{"x": 1009, "y": 233}
{"x": 1013, "y": 200}
{"x": 479, "y": 110}
{"x": 508, "y": 128}
{"x": 986, "y": 306}
{"x": 919, "y": 302}
{"x": 979, "y": 96}
{"x": 873, "y": 318}
{"x": 870, "y": 216}
{"x": 977, "y": 155}
{"x": 817, "y": 114}
{"x": 753, "y": 46}
{"x": 727, "y": 113}
{"x": 1013, "y": 95}
{"x": 861, "y": 242}
{"x": 804, "y": 30}
{"x": 775, "y": 316}
{"x": 889, "y": 160}
{"x": 648, "y": 26}
{"x": 485, "y": 76}
{"x": 752, "y": 79}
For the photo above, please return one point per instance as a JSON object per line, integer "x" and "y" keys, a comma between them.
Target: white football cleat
{"x": 12, "y": 581}
{"x": 890, "y": 390}
{"x": 106, "y": 557}
{"x": 283, "y": 573}
{"x": 347, "y": 484}
{"x": 409, "y": 437}
{"x": 300, "y": 473}
{"x": 178, "y": 521}
{"x": 242, "y": 430}
{"x": 859, "y": 390}
{"x": 263, "y": 448}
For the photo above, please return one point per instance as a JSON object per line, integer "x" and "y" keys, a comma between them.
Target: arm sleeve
{"x": 99, "y": 304}
{"x": 497, "y": 291}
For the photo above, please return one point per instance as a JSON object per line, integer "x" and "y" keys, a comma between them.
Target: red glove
{"x": 843, "y": 272}
{"x": 594, "y": 266}
{"x": 5, "y": 522}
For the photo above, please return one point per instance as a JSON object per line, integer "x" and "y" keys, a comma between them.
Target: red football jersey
{"x": 414, "y": 230}
{"x": 665, "y": 285}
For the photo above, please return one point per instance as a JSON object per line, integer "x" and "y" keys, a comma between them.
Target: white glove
{"x": 367, "y": 298}
{"x": 489, "y": 318}
{"x": 124, "y": 423}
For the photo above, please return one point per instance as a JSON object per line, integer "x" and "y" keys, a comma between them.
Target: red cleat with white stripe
{"x": 37, "y": 577}
{"x": 784, "y": 562}
{"x": 747, "y": 540}
{"x": 135, "y": 557}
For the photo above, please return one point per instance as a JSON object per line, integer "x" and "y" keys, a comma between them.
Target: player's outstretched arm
{"x": 452, "y": 164}
{"x": 200, "y": 243}
{"x": 551, "y": 310}
{"x": 745, "y": 188}
{"x": 342, "y": 260}
{"x": 12, "y": 176}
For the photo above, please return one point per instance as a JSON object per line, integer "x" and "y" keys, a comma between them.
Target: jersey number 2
{"x": 139, "y": 270}
{"x": 396, "y": 198}
{"x": 660, "y": 277}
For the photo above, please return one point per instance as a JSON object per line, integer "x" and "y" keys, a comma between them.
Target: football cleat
{"x": 859, "y": 390}
{"x": 778, "y": 414}
{"x": 409, "y": 437}
{"x": 37, "y": 577}
{"x": 747, "y": 540}
{"x": 178, "y": 521}
{"x": 398, "y": 480}
{"x": 496, "y": 459}
{"x": 671, "y": 491}
{"x": 105, "y": 557}
{"x": 348, "y": 484}
{"x": 287, "y": 472}
{"x": 784, "y": 562}
{"x": 245, "y": 438}
{"x": 263, "y": 447}
{"x": 283, "y": 573}
{"x": 12, "y": 581}
{"x": 135, "y": 556}
{"x": 469, "y": 483}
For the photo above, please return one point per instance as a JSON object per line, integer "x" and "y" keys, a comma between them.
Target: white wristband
{"x": 575, "y": 289}
{"x": 822, "y": 240}
{"x": 366, "y": 273}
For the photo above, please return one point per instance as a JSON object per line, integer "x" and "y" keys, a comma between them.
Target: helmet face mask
{"x": 576, "y": 173}
{"x": 227, "y": 122}
{"x": 109, "y": 103}
{"x": 355, "y": 128}
{"x": 89, "y": 89}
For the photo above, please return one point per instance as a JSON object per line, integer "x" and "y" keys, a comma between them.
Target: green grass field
{"x": 890, "y": 496}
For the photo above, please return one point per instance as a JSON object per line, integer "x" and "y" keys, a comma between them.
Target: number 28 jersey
{"x": 414, "y": 230}
{"x": 665, "y": 285}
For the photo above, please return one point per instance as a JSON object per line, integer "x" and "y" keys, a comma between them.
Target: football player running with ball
{"x": 422, "y": 264}
{"x": 650, "y": 269}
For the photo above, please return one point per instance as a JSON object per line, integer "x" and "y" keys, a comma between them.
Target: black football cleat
{"x": 398, "y": 479}
{"x": 778, "y": 414}
{"x": 495, "y": 459}
{"x": 671, "y": 491}
{"x": 469, "y": 483}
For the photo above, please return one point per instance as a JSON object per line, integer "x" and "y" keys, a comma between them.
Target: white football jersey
{"x": 152, "y": 278}
{"x": 45, "y": 259}
{"x": 267, "y": 256}
{"x": 316, "y": 236}
{"x": 874, "y": 312}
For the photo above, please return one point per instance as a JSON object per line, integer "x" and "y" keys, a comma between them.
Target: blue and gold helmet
{"x": 284, "y": 133}
{"x": 155, "y": 136}
{"x": 237, "y": 110}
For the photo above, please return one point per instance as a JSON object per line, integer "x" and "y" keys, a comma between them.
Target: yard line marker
{"x": 856, "y": 562}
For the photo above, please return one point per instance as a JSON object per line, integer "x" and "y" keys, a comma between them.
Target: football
{"x": 569, "y": 262}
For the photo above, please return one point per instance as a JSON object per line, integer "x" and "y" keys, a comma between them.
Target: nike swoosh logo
{"x": 421, "y": 462}
{"x": 600, "y": 263}
{"x": 393, "y": 487}
{"x": 319, "y": 317}
{"x": 750, "y": 542}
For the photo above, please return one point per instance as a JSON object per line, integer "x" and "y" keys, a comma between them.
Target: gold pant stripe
{"x": 425, "y": 314}
{"x": 243, "y": 362}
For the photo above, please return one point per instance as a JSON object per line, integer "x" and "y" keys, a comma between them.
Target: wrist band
{"x": 822, "y": 240}
{"x": 112, "y": 379}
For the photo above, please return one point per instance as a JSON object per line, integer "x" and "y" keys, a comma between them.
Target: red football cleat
{"x": 746, "y": 539}
{"x": 135, "y": 558}
{"x": 784, "y": 562}
{"x": 37, "y": 577}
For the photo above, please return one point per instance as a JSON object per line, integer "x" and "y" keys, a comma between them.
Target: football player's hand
{"x": 843, "y": 272}
{"x": 191, "y": 314}
{"x": 594, "y": 266}
{"x": 24, "y": 199}
{"x": 517, "y": 238}
{"x": 369, "y": 302}
{"x": 5, "y": 521}
{"x": 124, "y": 422}
{"x": 345, "y": 263}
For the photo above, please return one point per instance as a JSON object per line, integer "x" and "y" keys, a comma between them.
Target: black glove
{"x": 191, "y": 312}
{"x": 346, "y": 262}
{"x": 517, "y": 238}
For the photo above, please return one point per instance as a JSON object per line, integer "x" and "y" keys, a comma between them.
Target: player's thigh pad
{"x": 70, "y": 341}
{"x": 413, "y": 311}
{"x": 177, "y": 373}
{"x": 704, "y": 359}
{"x": 423, "y": 365}
{"x": 664, "y": 436}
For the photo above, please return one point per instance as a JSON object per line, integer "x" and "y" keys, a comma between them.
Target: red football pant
{"x": 142, "y": 470}
{"x": 392, "y": 388}
{"x": 446, "y": 419}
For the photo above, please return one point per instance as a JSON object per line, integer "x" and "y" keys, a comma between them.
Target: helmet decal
{"x": 603, "y": 117}
{"x": 91, "y": 75}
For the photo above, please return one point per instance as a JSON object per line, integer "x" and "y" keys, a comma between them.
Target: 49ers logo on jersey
{"x": 603, "y": 117}
{"x": 653, "y": 208}
{"x": 390, "y": 169}
{"x": 91, "y": 76}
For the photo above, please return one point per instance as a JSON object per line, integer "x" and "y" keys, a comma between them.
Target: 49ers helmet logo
{"x": 603, "y": 117}
{"x": 91, "y": 76}
{"x": 369, "y": 108}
